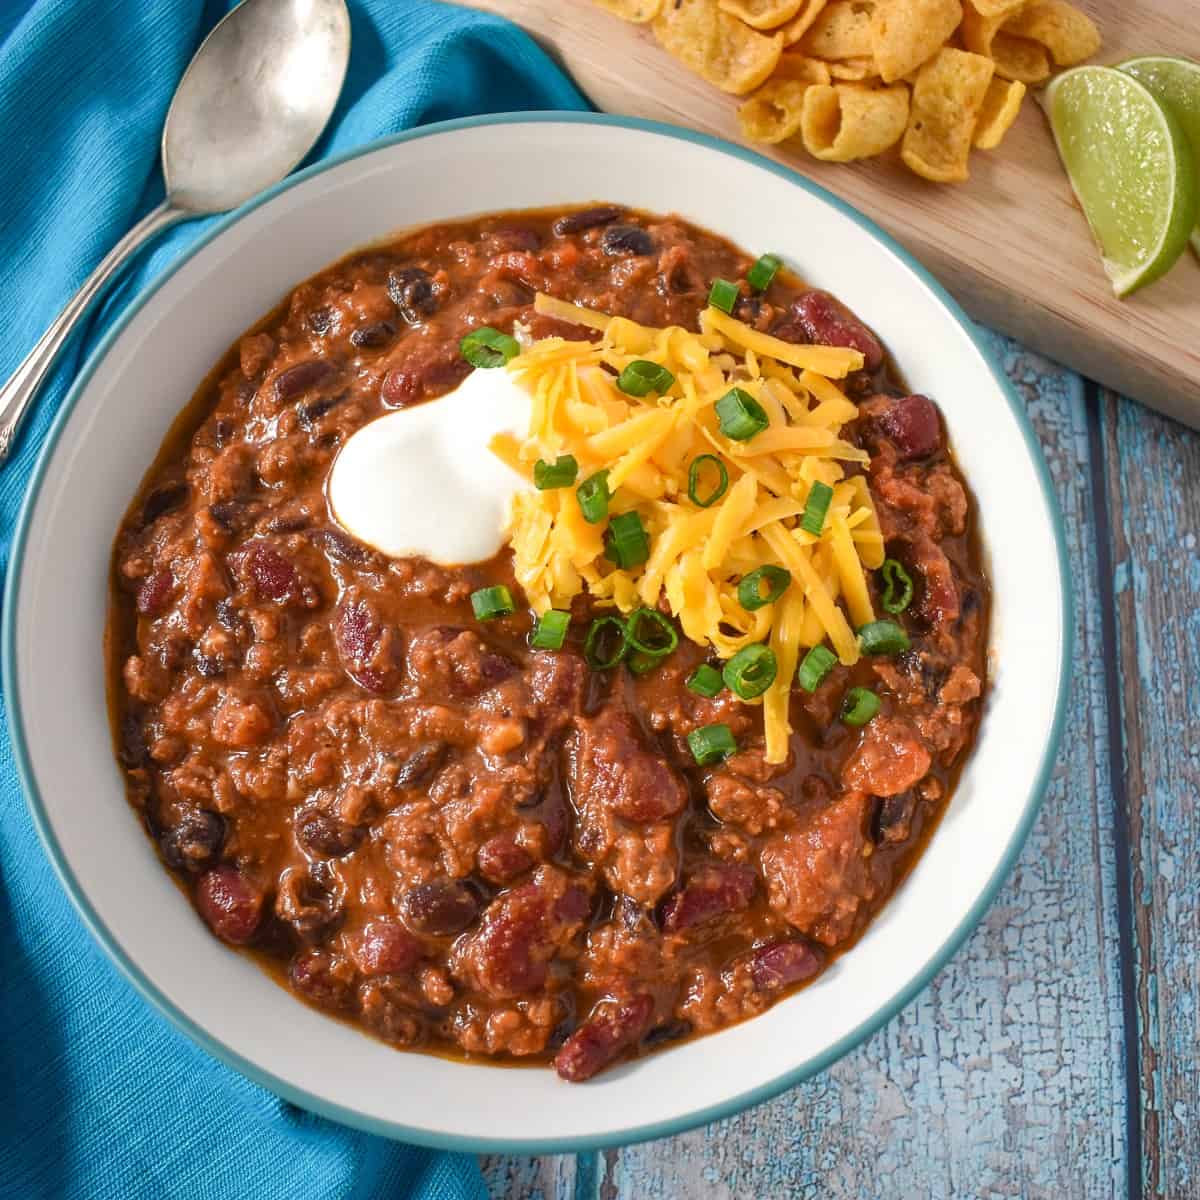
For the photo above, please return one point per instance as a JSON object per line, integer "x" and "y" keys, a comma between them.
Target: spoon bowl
{"x": 254, "y": 100}
{"x": 257, "y": 95}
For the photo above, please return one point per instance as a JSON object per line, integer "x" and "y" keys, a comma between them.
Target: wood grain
{"x": 1006, "y": 1077}
{"x": 1154, "y": 503}
{"x": 1011, "y": 244}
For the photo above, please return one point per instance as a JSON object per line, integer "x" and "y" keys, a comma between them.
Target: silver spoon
{"x": 250, "y": 106}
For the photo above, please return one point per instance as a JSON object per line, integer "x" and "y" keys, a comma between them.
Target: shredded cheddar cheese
{"x": 698, "y": 555}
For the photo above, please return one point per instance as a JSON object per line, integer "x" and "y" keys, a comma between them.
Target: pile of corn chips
{"x": 849, "y": 79}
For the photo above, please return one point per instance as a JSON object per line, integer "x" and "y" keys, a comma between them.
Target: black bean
{"x": 228, "y": 616}
{"x": 195, "y": 842}
{"x": 303, "y": 377}
{"x": 320, "y": 320}
{"x": 209, "y": 666}
{"x": 310, "y": 413}
{"x": 372, "y": 337}
{"x": 340, "y": 545}
{"x": 288, "y": 520}
{"x": 324, "y": 834}
{"x": 439, "y": 909}
{"x": 411, "y": 290}
{"x": 420, "y": 764}
{"x": 163, "y": 500}
{"x": 232, "y": 515}
{"x": 222, "y": 432}
{"x": 891, "y": 820}
{"x": 133, "y": 742}
{"x": 587, "y": 218}
{"x": 669, "y": 1032}
{"x": 626, "y": 239}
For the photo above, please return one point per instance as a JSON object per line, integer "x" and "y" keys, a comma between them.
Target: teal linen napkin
{"x": 99, "y": 1096}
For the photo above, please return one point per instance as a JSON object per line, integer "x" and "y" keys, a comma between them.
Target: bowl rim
{"x": 397, "y": 1130}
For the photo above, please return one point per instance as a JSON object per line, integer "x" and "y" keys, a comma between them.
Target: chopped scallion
{"x": 763, "y": 272}
{"x": 487, "y": 347}
{"x": 606, "y": 643}
{"x": 626, "y": 542}
{"x": 560, "y": 473}
{"x": 882, "y": 637}
{"x": 898, "y": 586}
{"x": 816, "y": 508}
{"x": 751, "y": 671}
{"x": 551, "y": 630}
{"x": 817, "y": 664}
{"x": 861, "y": 704}
{"x": 705, "y": 680}
{"x": 491, "y": 602}
{"x": 593, "y": 497}
{"x": 750, "y": 593}
{"x": 641, "y": 377}
{"x": 724, "y": 295}
{"x": 740, "y": 415}
{"x": 722, "y": 484}
{"x": 711, "y": 744}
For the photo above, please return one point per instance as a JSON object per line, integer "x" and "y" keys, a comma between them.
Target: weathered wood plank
{"x": 1154, "y": 507}
{"x": 1006, "y": 1077}
{"x": 548, "y": 1178}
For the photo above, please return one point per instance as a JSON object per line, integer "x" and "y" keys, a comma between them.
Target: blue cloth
{"x": 99, "y": 1096}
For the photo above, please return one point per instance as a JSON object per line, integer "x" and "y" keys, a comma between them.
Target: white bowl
{"x": 142, "y": 375}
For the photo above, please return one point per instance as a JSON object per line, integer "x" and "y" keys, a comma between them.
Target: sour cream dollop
{"x": 422, "y": 481}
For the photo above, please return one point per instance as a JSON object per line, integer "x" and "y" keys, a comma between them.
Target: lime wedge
{"x": 1175, "y": 83}
{"x": 1130, "y": 164}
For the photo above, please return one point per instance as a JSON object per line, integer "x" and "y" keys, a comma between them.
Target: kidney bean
{"x": 573, "y": 905}
{"x": 303, "y": 377}
{"x": 782, "y": 963}
{"x": 327, "y": 835}
{"x": 154, "y": 593}
{"x": 711, "y": 892}
{"x": 372, "y": 337}
{"x": 818, "y": 317}
{"x": 515, "y": 238}
{"x": 340, "y": 545}
{"x": 195, "y": 842}
{"x": 229, "y": 903}
{"x": 412, "y": 292}
{"x": 439, "y": 909}
{"x": 323, "y": 979}
{"x": 602, "y": 1037}
{"x": 309, "y": 413}
{"x": 626, "y": 239}
{"x": 501, "y": 859}
{"x": 422, "y": 378}
{"x": 385, "y": 948}
{"x": 359, "y": 637}
{"x": 913, "y": 427}
{"x": 587, "y": 218}
{"x": 273, "y": 575}
{"x": 164, "y": 500}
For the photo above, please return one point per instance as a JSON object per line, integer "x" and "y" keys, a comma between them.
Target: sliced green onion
{"x": 705, "y": 680}
{"x": 711, "y": 744}
{"x": 816, "y": 507}
{"x": 551, "y": 630}
{"x": 723, "y": 295}
{"x": 751, "y": 671}
{"x": 642, "y": 664}
{"x": 595, "y": 650}
{"x": 650, "y": 632}
{"x": 741, "y": 416}
{"x": 626, "y": 542}
{"x": 750, "y": 594}
{"x": 817, "y": 664}
{"x": 882, "y": 637}
{"x": 593, "y": 497}
{"x": 763, "y": 272}
{"x": 694, "y": 470}
{"x": 488, "y": 347}
{"x": 560, "y": 473}
{"x": 641, "y": 377}
{"x": 898, "y": 586}
{"x": 861, "y": 704}
{"x": 491, "y": 602}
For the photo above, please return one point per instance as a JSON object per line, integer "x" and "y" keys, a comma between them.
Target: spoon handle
{"x": 17, "y": 395}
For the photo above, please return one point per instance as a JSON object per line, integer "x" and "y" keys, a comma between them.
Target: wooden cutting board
{"x": 1011, "y": 244}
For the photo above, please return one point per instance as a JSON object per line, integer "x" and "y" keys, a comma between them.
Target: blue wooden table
{"x": 1056, "y": 1055}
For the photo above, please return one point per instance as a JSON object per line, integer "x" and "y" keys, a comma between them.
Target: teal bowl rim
{"x": 533, "y": 1145}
